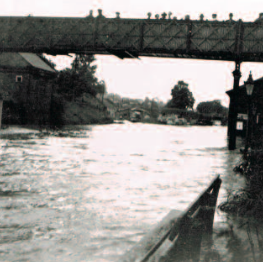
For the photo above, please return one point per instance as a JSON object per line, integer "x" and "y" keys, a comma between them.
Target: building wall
{"x": 37, "y": 100}
{"x": 8, "y": 84}
{"x": 26, "y": 102}
{"x": 242, "y": 108}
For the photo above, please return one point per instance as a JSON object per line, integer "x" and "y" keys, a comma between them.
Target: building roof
{"x": 23, "y": 61}
{"x": 35, "y": 61}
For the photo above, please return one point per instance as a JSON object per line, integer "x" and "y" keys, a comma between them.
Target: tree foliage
{"x": 182, "y": 97}
{"x": 114, "y": 97}
{"x": 100, "y": 87}
{"x": 212, "y": 107}
{"x": 154, "y": 106}
{"x": 80, "y": 78}
{"x": 146, "y": 103}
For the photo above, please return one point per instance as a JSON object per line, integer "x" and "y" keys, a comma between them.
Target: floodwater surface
{"x": 92, "y": 196}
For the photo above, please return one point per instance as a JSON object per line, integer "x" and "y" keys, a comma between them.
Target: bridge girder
{"x": 132, "y": 38}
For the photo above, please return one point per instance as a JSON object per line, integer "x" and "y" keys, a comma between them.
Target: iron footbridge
{"x": 131, "y": 38}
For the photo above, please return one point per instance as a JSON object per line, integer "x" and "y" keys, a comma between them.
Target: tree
{"x": 155, "y": 108}
{"x": 146, "y": 103}
{"x": 100, "y": 88}
{"x": 182, "y": 97}
{"x": 79, "y": 79}
{"x": 212, "y": 107}
{"x": 114, "y": 97}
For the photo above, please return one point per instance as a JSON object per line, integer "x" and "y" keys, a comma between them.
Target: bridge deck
{"x": 131, "y": 38}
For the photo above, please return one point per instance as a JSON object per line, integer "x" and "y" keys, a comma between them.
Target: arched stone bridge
{"x": 126, "y": 113}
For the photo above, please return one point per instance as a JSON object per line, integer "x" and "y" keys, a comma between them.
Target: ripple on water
{"x": 144, "y": 168}
{"x": 48, "y": 232}
{"x": 90, "y": 160}
{"x": 15, "y": 173}
{"x": 14, "y": 232}
{"x": 161, "y": 186}
{"x": 12, "y": 193}
{"x": 178, "y": 142}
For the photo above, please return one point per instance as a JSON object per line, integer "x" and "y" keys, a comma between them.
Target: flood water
{"x": 93, "y": 196}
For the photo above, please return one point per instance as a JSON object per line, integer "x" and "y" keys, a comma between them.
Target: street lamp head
{"x": 249, "y": 85}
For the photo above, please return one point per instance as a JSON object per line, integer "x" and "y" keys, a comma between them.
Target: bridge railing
{"x": 130, "y": 38}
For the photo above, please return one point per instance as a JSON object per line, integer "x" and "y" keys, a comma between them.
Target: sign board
{"x": 239, "y": 125}
{"x": 242, "y": 116}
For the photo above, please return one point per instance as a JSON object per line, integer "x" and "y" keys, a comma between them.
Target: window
{"x": 19, "y": 79}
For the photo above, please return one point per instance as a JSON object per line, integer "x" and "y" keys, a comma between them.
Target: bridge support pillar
{"x": 232, "y": 113}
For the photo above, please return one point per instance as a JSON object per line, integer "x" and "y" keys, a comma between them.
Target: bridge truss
{"x": 130, "y": 38}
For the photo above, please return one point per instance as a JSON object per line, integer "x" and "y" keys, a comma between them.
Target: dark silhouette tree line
{"x": 72, "y": 83}
{"x": 79, "y": 79}
{"x": 182, "y": 97}
{"x": 212, "y": 107}
{"x": 183, "y": 100}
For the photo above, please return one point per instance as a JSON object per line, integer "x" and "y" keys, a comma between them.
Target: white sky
{"x": 148, "y": 76}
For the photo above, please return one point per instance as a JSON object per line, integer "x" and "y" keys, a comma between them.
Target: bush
{"x": 248, "y": 201}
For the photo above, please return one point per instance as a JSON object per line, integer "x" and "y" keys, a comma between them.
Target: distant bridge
{"x": 127, "y": 112}
{"x": 130, "y": 38}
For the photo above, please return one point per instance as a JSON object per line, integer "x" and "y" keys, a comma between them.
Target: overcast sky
{"x": 151, "y": 77}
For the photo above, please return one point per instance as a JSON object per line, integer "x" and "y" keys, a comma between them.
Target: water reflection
{"x": 92, "y": 195}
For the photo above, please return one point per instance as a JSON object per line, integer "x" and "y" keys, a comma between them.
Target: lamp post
{"x": 249, "y": 88}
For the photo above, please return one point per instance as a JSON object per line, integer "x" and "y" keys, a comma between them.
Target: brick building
{"x": 26, "y": 84}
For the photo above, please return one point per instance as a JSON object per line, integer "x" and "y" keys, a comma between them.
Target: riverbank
{"x": 238, "y": 240}
{"x": 31, "y": 132}
{"x": 244, "y": 207}
{"x": 84, "y": 110}
{"x": 11, "y": 131}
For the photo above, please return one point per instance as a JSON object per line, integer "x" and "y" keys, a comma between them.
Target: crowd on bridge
{"x": 168, "y": 16}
